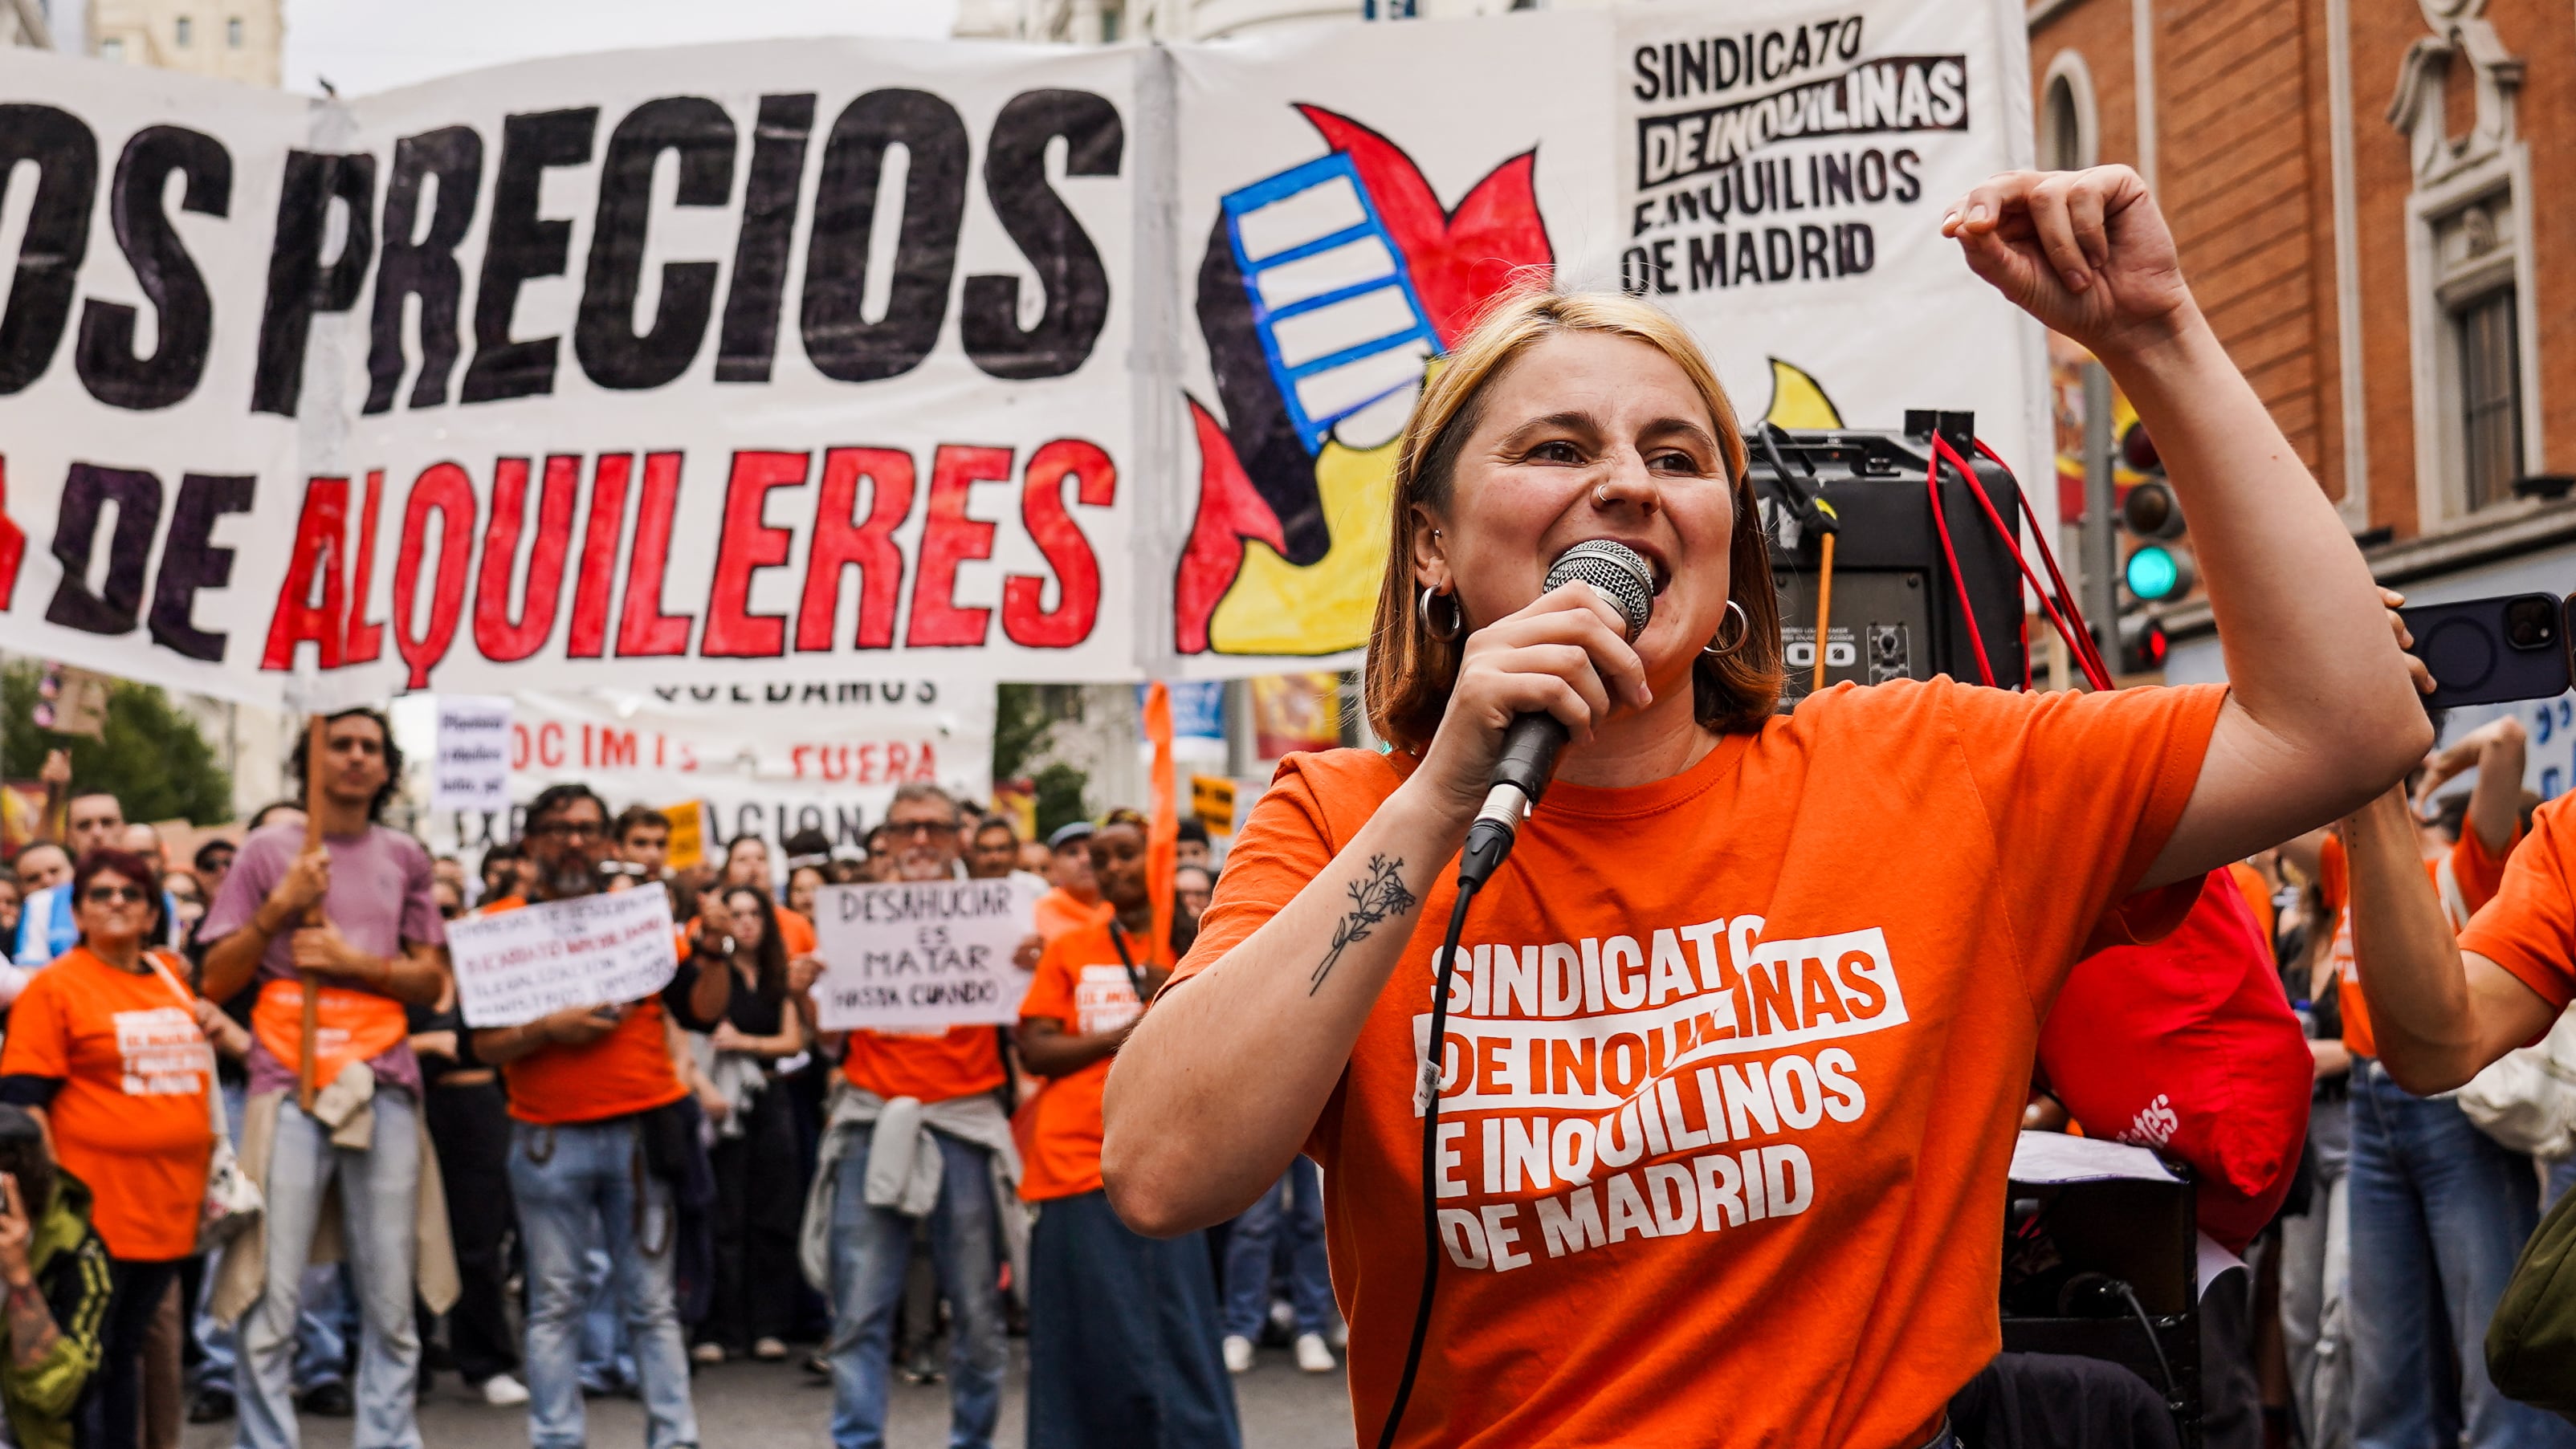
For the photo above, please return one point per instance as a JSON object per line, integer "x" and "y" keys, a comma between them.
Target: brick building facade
{"x": 2370, "y": 201}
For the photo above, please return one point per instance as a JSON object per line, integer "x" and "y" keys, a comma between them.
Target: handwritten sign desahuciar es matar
{"x": 921, "y": 953}
{"x": 519, "y": 965}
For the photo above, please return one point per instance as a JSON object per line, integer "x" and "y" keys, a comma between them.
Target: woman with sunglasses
{"x": 104, "y": 1047}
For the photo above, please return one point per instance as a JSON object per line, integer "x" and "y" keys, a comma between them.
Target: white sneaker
{"x": 504, "y": 1392}
{"x": 1238, "y": 1354}
{"x": 1313, "y": 1355}
{"x": 709, "y": 1354}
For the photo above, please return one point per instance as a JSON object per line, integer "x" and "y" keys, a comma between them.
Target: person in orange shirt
{"x": 2447, "y": 997}
{"x": 1123, "y": 1340}
{"x": 1738, "y": 1038}
{"x": 104, "y": 1047}
{"x": 947, "y": 1081}
{"x": 380, "y": 947}
{"x": 582, "y": 1082}
{"x": 1075, "y": 901}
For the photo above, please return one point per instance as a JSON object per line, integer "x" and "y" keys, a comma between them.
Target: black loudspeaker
{"x": 1896, "y": 613}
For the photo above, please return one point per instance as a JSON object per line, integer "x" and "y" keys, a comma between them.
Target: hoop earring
{"x": 1457, "y": 616}
{"x": 1743, "y": 633}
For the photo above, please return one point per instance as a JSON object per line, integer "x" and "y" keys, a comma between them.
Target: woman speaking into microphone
{"x": 1740, "y": 1033}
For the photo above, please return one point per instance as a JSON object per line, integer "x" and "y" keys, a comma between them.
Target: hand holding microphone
{"x": 1532, "y": 680}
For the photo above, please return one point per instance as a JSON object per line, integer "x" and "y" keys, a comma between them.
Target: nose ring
{"x": 1601, "y": 496}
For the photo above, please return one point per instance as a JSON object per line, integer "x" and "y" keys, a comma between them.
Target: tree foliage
{"x": 150, "y": 756}
{"x": 1024, "y": 721}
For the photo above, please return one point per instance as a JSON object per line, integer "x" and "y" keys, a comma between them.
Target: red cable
{"x": 1958, "y": 581}
{"x": 2083, "y": 640}
{"x": 2093, "y": 674}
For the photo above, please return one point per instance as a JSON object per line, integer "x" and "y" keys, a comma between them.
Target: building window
{"x": 233, "y": 32}
{"x": 182, "y": 31}
{"x": 1113, "y": 20}
{"x": 2489, "y": 359}
{"x": 2066, "y": 134}
{"x": 111, "y": 49}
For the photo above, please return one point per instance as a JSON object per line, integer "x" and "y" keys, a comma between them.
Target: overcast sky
{"x": 372, "y": 45}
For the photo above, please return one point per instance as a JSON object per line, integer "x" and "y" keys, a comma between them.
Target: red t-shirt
{"x": 130, "y": 1118}
{"x": 2529, "y": 928}
{"x": 1736, "y": 1063}
{"x": 627, "y": 1071}
{"x": 2478, "y": 871}
{"x": 1081, "y": 984}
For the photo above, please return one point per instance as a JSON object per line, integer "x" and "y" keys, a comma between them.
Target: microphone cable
{"x": 1436, "y": 1059}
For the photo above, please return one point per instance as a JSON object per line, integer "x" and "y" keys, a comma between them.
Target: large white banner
{"x": 780, "y": 362}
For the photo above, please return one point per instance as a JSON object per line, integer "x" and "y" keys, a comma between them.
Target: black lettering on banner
{"x": 190, "y": 560}
{"x": 839, "y": 339}
{"x": 87, "y": 489}
{"x": 298, "y": 284}
{"x": 519, "y": 246}
{"x": 1074, "y": 283}
{"x": 749, "y": 341}
{"x": 185, "y": 312}
{"x": 452, "y": 159}
{"x": 612, "y": 354}
{"x": 57, "y": 238}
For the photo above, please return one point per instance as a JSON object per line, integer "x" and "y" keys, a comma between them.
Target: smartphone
{"x": 2486, "y": 651}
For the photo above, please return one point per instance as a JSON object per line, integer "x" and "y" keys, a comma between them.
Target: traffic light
{"x": 2159, "y": 568}
{"x": 2142, "y": 645}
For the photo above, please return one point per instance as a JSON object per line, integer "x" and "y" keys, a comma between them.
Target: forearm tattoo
{"x": 31, "y": 1327}
{"x": 1374, "y": 899}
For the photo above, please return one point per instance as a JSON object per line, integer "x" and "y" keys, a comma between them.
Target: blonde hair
{"x": 1410, "y": 671}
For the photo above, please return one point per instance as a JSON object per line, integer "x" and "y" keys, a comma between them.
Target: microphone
{"x": 1626, "y": 582}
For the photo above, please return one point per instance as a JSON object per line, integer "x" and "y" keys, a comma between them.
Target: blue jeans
{"x": 379, "y": 1197}
{"x": 323, "y": 1328}
{"x": 2439, "y": 1213}
{"x": 607, "y": 1359}
{"x": 575, "y": 1187}
{"x": 870, "y": 1247}
{"x": 1294, "y": 1206}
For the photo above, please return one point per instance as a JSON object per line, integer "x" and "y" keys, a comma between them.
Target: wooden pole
{"x": 316, "y": 741}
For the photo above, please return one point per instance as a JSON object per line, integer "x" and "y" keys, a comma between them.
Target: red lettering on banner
{"x": 645, "y": 628}
{"x": 321, "y": 536}
{"x": 841, "y": 539}
{"x": 598, "y": 571}
{"x": 366, "y": 637}
{"x": 745, "y": 547}
{"x": 616, "y": 749}
{"x": 443, "y": 489}
{"x": 1025, "y": 617}
{"x": 550, "y": 750}
{"x": 898, "y": 761}
{"x": 950, "y": 537}
{"x": 518, "y": 744}
{"x": 13, "y": 544}
{"x": 502, "y": 639}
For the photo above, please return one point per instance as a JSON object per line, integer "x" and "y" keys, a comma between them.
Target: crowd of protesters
{"x": 615, "y": 1197}
{"x": 610, "y": 1198}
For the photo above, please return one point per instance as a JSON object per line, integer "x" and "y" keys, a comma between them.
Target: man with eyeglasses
{"x": 950, "y": 1079}
{"x": 379, "y": 945}
{"x": 589, "y": 1086}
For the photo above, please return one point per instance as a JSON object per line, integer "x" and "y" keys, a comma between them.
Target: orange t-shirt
{"x": 627, "y": 1071}
{"x": 1735, "y": 1066}
{"x": 2478, "y": 871}
{"x": 928, "y": 1066}
{"x": 1082, "y": 984}
{"x": 2258, "y": 899}
{"x": 130, "y": 1118}
{"x": 2529, "y": 928}
{"x": 795, "y": 933}
{"x": 1060, "y": 911}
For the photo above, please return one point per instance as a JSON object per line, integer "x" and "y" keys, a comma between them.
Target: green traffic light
{"x": 2153, "y": 573}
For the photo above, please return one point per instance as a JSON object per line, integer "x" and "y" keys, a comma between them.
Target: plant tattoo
{"x": 1372, "y": 900}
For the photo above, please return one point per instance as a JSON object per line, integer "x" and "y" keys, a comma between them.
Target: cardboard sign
{"x": 1212, "y": 801}
{"x": 921, "y": 954}
{"x": 472, "y": 771}
{"x": 519, "y": 965}
{"x": 688, "y": 834}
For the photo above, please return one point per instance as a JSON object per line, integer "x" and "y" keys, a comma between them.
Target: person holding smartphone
{"x": 55, "y": 1283}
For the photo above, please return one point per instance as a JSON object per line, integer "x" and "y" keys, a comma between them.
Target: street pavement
{"x": 774, "y": 1406}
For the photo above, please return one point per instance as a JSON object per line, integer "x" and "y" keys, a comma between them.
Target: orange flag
{"x": 1163, "y": 820}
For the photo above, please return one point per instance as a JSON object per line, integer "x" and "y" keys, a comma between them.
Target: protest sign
{"x": 921, "y": 953}
{"x": 519, "y": 965}
{"x": 604, "y": 368}
{"x": 472, "y": 768}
